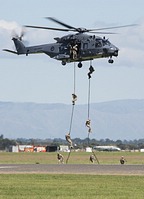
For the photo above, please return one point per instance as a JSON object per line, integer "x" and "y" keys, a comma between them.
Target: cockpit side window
{"x": 98, "y": 43}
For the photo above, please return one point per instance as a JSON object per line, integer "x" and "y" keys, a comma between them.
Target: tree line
{"x": 78, "y": 143}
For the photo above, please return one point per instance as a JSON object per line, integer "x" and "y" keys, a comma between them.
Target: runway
{"x": 92, "y": 169}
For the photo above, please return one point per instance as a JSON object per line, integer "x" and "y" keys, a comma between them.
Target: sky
{"x": 40, "y": 79}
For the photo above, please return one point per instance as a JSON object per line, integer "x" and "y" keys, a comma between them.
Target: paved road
{"x": 73, "y": 169}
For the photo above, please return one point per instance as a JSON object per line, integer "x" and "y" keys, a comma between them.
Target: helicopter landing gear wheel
{"x": 111, "y": 61}
{"x": 79, "y": 65}
{"x": 63, "y": 63}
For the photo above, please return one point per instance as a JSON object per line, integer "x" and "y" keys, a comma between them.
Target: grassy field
{"x": 70, "y": 186}
{"x": 36, "y": 186}
{"x": 75, "y": 158}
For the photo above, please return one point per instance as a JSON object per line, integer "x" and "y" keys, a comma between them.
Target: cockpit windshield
{"x": 102, "y": 42}
{"x": 105, "y": 42}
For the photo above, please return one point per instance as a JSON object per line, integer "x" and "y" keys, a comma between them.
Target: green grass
{"x": 70, "y": 186}
{"x": 75, "y": 158}
{"x": 36, "y": 186}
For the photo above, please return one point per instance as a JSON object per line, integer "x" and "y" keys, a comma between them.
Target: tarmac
{"x": 92, "y": 169}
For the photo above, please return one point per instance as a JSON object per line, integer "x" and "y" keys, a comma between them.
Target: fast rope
{"x": 74, "y": 98}
{"x": 88, "y": 121}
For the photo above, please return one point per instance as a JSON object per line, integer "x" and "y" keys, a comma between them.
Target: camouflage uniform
{"x": 92, "y": 158}
{"x": 60, "y": 158}
{"x": 122, "y": 160}
{"x": 68, "y": 139}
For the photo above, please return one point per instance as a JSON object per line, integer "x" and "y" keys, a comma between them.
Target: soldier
{"x": 91, "y": 70}
{"x": 73, "y": 50}
{"x": 92, "y": 158}
{"x": 74, "y": 98}
{"x": 68, "y": 139}
{"x": 60, "y": 158}
{"x": 122, "y": 160}
{"x": 88, "y": 122}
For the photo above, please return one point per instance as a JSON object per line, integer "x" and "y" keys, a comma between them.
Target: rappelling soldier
{"x": 91, "y": 70}
{"x": 88, "y": 123}
{"x": 68, "y": 139}
{"x": 74, "y": 98}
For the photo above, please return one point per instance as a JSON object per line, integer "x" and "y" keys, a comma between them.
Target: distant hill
{"x": 121, "y": 119}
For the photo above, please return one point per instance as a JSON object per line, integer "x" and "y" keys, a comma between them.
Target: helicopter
{"x": 77, "y": 47}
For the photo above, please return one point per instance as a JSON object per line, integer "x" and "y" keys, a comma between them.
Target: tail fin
{"x": 21, "y": 49}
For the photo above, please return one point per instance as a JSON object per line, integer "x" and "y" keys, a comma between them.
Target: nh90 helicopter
{"x": 76, "y": 47}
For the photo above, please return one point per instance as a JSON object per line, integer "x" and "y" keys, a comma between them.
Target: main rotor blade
{"x": 47, "y": 28}
{"x": 80, "y": 30}
{"x": 96, "y": 32}
{"x": 113, "y": 27}
{"x": 61, "y": 23}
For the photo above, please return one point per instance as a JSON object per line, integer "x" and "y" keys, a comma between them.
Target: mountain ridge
{"x": 118, "y": 119}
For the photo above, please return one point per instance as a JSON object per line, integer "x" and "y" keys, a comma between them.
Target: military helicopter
{"x": 76, "y": 47}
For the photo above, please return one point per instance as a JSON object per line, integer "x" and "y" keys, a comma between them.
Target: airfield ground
{"x": 73, "y": 169}
{"x": 78, "y": 163}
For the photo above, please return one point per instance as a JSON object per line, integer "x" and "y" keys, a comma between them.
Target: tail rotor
{"x": 18, "y": 36}
{"x": 18, "y": 43}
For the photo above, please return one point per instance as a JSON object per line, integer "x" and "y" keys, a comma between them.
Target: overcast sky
{"x": 38, "y": 78}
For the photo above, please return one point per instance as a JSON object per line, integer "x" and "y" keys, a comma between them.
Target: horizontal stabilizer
{"x": 10, "y": 51}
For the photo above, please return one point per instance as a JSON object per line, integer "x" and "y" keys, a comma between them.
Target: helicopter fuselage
{"x": 76, "y": 47}
{"x": 71, "y": 48}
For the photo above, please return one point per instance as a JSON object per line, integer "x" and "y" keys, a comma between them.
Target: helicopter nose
{"x": 114, "y": 51}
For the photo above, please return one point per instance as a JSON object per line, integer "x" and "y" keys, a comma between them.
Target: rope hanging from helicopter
{"x": 88, "y": 121}
{"x": 74, "y": 98}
